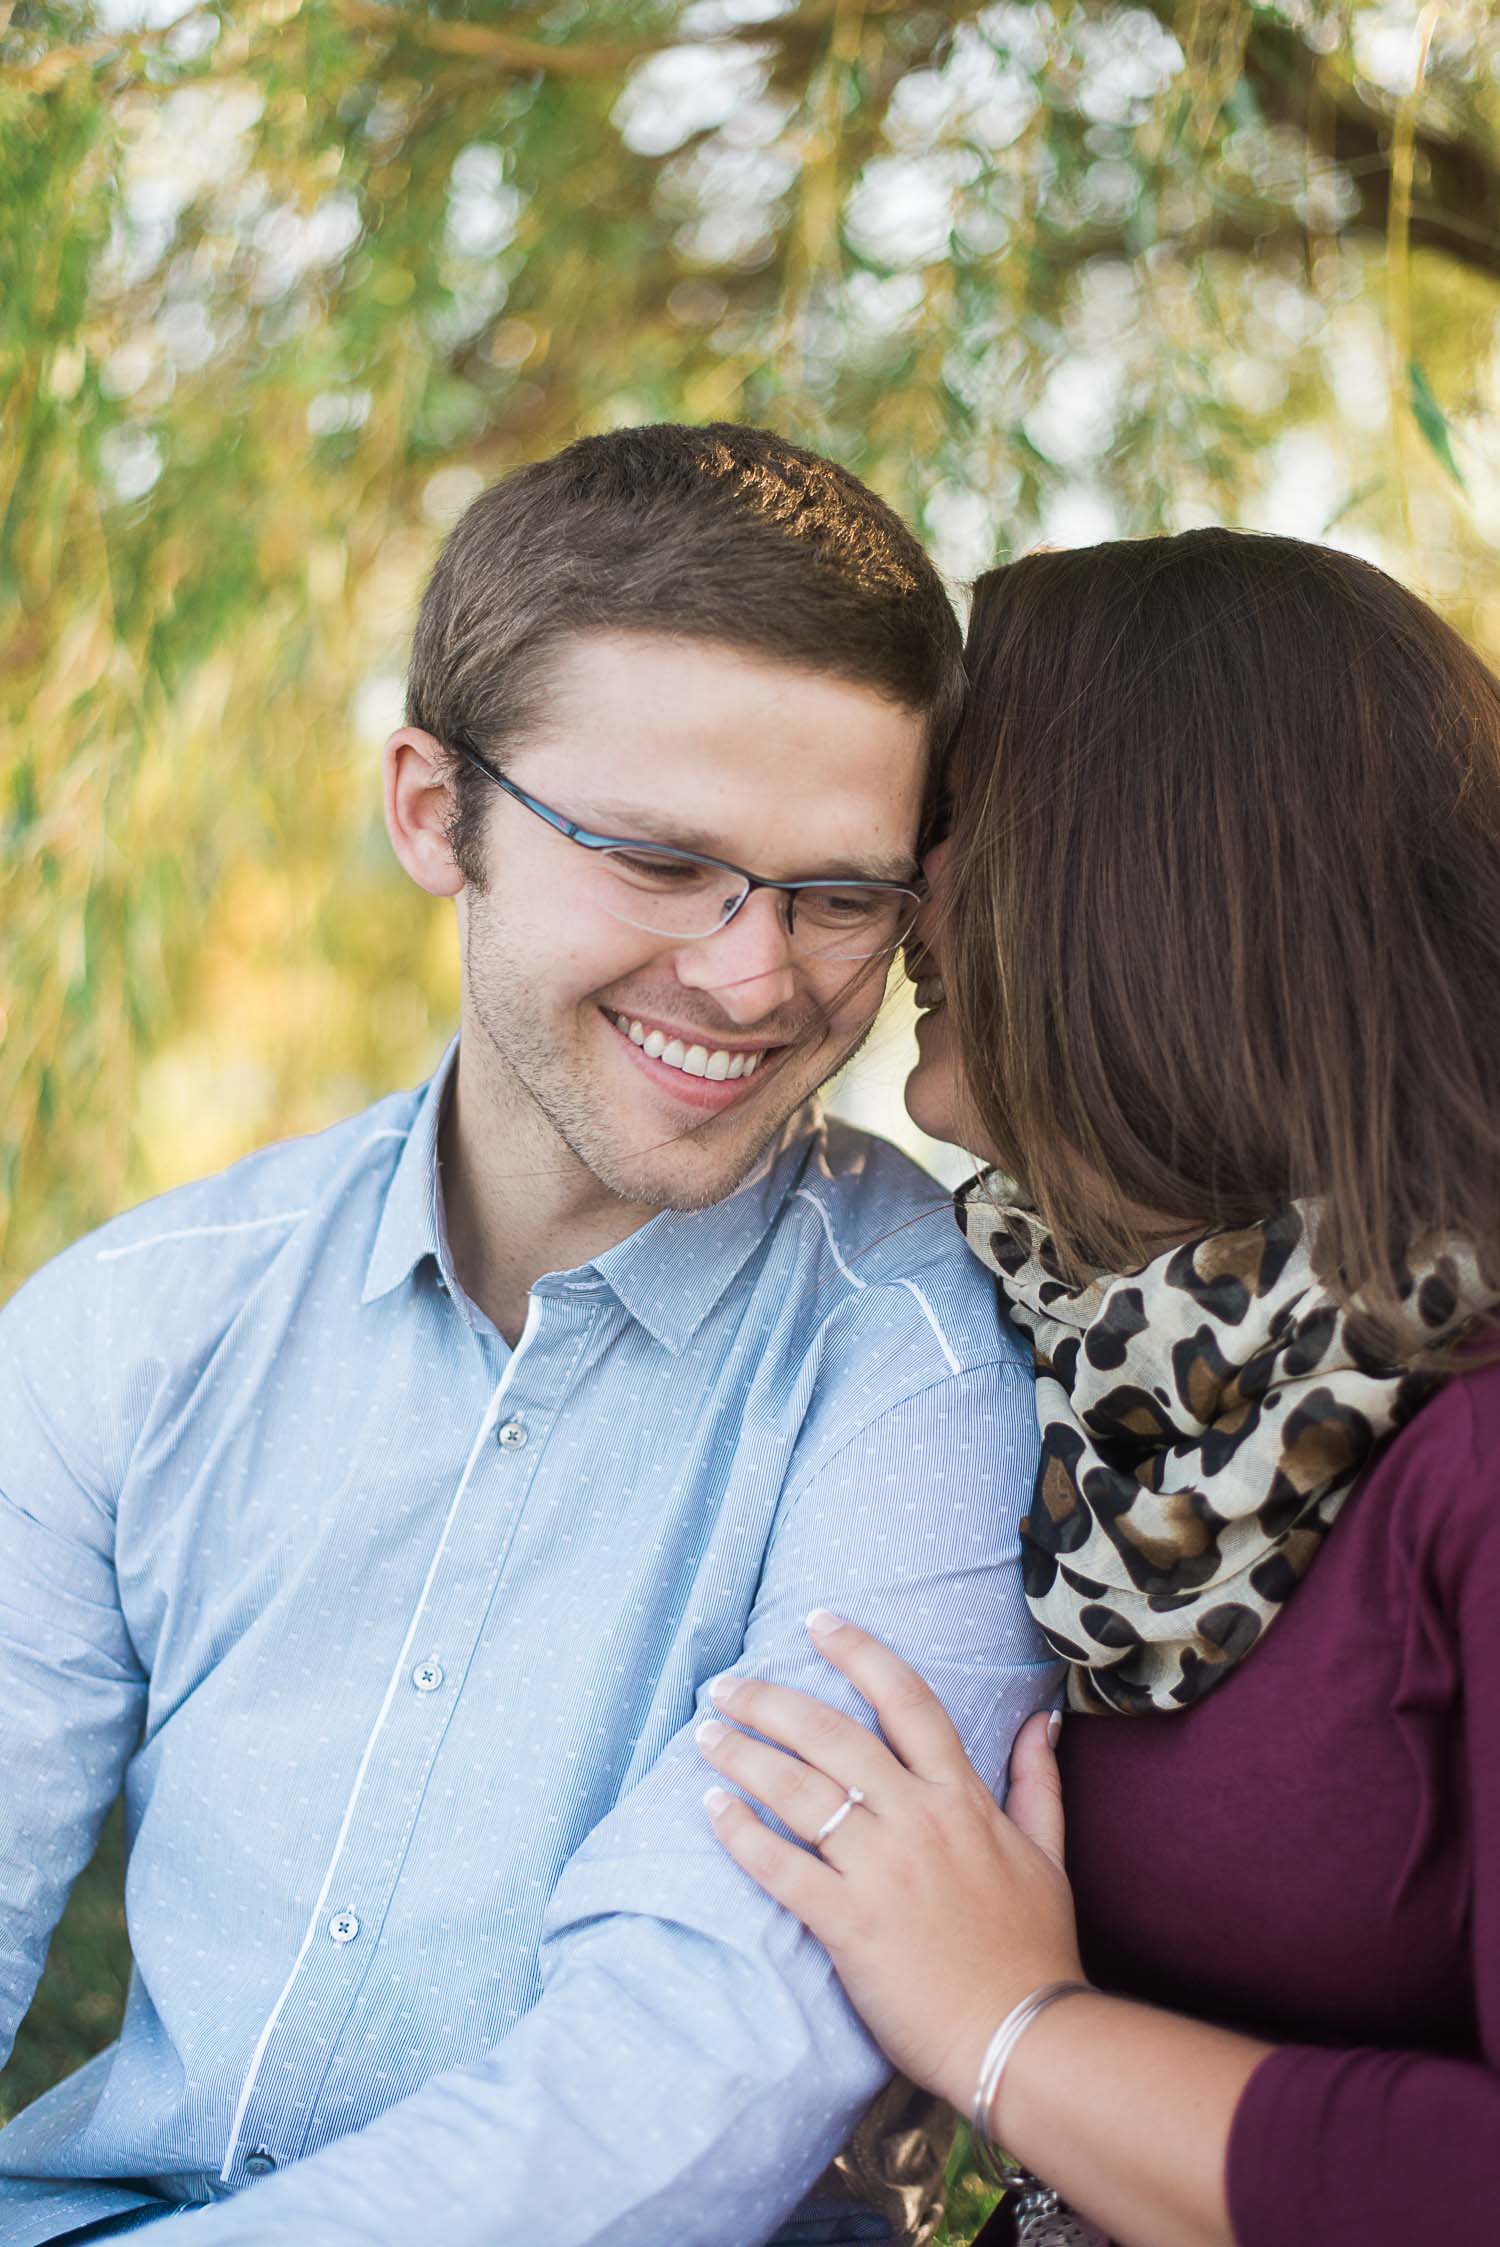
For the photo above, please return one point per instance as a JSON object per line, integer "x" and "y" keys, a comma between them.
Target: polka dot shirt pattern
{"x": 396, "y": 1638}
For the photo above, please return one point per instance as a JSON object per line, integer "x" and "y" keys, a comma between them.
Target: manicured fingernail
{"x": 822, "y": 1621}
{"x": 1054, "y": 1727}
{"x": 723, "y": 1690}
{"x": 709, "y": 1735}
{"x": 716, "y": 1801}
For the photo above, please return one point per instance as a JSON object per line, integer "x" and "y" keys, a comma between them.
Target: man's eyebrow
{"x": 627, "y": 823}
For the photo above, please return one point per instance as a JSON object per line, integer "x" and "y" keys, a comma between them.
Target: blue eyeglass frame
{"x": 587, "y": 840}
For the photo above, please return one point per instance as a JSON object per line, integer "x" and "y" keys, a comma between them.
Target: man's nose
{"x": 748, "y": 965}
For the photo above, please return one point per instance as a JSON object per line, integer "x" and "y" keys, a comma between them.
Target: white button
{"x": 343, "y": 1927}
{"x": 427, "y": 1676}
{"x": 512, "y": 1436}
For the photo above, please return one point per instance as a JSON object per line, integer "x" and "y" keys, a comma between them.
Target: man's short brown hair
{"x": 719, "y": 533}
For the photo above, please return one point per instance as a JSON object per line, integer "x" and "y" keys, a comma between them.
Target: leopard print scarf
{"x": 1203, "y": 1421}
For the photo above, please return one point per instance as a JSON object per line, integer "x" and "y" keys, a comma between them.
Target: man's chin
{"x": 705, "y": 1162}
{"x": 685, "y": 1178}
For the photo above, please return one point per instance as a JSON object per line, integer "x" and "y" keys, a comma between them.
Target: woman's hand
{"x": 939, "y": 1910}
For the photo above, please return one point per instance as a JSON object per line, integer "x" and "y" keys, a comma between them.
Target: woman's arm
{"x": 1127, "y": 2112}
{"x": 942, "y": 1911}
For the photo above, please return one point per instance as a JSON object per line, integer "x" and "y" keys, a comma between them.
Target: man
{"x": 382, "y": 1510}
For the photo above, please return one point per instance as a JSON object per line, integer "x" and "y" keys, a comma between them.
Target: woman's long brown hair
{"x": 1223, "y": 902}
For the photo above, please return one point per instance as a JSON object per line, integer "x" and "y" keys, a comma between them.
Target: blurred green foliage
{"x": 78, "y": 2004}
{"x": 283, "y": 284}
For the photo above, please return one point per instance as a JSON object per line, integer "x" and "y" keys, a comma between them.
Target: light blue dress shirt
{"x": 397, "y": 1636}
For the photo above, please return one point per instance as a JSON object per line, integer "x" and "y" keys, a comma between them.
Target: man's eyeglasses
{"x": 671, "y": 892}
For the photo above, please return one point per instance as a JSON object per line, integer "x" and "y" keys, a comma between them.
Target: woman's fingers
{"x": 789, "y": 1875}
{"x": 802, "y": 1798}
{"x": 834, "y": 1744}
{"x": 1034, "y": 1802}
{"x": 911, "y": 1716}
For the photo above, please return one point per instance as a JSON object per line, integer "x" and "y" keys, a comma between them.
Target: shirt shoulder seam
{"x": 887, "y": 1280}
{"x": 200, "y": 1232}
{"x": 1009, "y": 1368}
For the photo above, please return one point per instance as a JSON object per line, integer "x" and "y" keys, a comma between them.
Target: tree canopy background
{"x": 283, "y": 284}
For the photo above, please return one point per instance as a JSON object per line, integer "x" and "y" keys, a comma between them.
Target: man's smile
{"x": 683, "y": 1062}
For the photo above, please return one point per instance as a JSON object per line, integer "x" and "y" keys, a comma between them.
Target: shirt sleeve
{"x": 692, "y": 2063}
{"x": 71, "y": 1689}
{"x": 1367, "y": 2148}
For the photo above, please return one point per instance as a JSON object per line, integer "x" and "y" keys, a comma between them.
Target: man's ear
{"x": 418, "y": 807}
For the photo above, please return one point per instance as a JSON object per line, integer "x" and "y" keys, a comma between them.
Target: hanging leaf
{"x": 1433, "y": 422}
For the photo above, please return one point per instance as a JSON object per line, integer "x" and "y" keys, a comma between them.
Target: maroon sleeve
{"x": 1362, "y": 2148}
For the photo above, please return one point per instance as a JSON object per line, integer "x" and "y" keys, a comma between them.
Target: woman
{"x": 1213, "y": 974}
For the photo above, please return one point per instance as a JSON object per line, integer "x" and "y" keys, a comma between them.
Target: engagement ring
{"x": 831, "y": 1825}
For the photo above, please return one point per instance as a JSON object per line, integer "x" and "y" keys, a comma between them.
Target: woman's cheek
{"x": 934, "y": 1088}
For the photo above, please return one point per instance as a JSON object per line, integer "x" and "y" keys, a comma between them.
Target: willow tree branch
{"x": 1455, "y": 205}
{"x": 50, "y": 69}
{"x": 507, "y": 49}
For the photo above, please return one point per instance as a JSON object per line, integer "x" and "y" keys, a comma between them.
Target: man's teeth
{"x": 692, "y": 1060}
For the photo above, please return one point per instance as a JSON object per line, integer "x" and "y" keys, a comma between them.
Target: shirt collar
{"x": 668, "y": 1275}
{"x": 411, "y": 1222}
{"x": 677, "y": 1268}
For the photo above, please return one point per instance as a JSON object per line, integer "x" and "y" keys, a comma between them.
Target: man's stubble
{"x": 540, "y": 1087}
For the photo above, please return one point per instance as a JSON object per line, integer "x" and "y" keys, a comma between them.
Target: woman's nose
{"x": 933, "y": 863}
{"x": 920, "y": 942}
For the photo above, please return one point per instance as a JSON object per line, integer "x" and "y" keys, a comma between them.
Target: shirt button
{"x": 343, "y": 1927}
{"x": 427, "y": 1676}
{"x": 261, "y": 2162}
{"x": 512, "y": 1436}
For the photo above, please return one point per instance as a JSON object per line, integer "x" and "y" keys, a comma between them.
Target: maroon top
{"x": 1313, "y": 1854}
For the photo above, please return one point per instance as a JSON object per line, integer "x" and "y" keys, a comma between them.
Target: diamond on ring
{"x": 851, "y": 1801}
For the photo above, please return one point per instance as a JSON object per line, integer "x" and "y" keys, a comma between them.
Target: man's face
{"x": 788, "y": 773}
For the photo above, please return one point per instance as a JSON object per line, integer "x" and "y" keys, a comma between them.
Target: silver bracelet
{"x": 998, "y": 2052}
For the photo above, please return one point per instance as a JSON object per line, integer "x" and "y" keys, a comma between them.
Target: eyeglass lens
{"x": 682, "y": 896}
